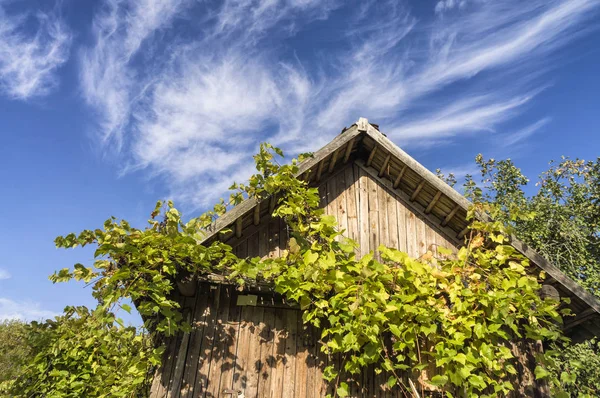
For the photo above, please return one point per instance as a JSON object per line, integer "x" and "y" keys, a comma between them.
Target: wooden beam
{"x": 450, "y": 215}
{"x": 320, "y": 170}
{"x": 417, "y": 191}
{"x": 272, "y": 202}
{"x": 238, "y": 228}
{"x": 580, "y": 318}
{"x": 372, "y": 155}
{"x": 333, "y": 160}
{"x": 400, "y": 175}
{"x": 462, "y": 233}
{"x": 384, "y": 165}
{"x": 433, "y": 202}
{"x": 348, "y": 150}
{"x": 257, "y": 214}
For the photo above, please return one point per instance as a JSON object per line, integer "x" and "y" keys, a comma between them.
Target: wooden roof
{"x": 431, "y": 197}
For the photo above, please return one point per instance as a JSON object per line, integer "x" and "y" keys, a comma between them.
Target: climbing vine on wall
{"x": 459, "y": 311}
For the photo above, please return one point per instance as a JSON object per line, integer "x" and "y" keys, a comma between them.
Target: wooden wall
{"x": 265, "y": 351}
{"x": 368, "y": 211}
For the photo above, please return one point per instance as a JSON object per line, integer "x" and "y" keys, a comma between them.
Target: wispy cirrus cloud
{"x": 190, "y": 105}
{"x": 30, "y": 58}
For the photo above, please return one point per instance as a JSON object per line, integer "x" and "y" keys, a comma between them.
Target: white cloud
{"x": 191, "y": 108}
{"x": 23, "y": 310}
{"x": 108, "y": 81}
{"x": 524, "y": 133}
{"x": 29, "y": 60}
{"x": 480, "y": 113}
{"x": 4, "y": 274}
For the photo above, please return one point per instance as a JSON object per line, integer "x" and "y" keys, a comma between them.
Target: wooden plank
{"x": 243, "y": 362}
{"x": 263, "y": 241}
{"x": 257, "y": 214}
{"x": 290, "y": 359}
{"x": 341, "y": 201}
{"x": 399, "y": 177}
{"x": 351, "y": 199}
{"x": 253, "y": 356}
{"x": 462, "y": 233}
{"x": 160, "y": 383}
{"x": 411, "y": 234}
{"x": 417, "y": 191}
{"x": 401, "y": 221}
{"x": 450, "y": 215}
{"x": 349, "y": 147}
{"x": 220, "y": 345}
{"x": 374, "y": 237}
{"x": 371, "y": 156}
{"x": 273, "y": 237}
{"x": 433, "y": 202}
{"x": 363, "y": 214}
{"x": 231, "y": 333}
{"x": 320, "y": 171}
{"x": 302, "y": 353}
{"x": 278, "y": 354}
{"x": 206, "y": 347}
{"x": 265, "y": 363}
{"x": 198, "y": 327}
{"x": 382, "y": 170}
{"x": 382, "y": 196}
{"x": 238, "y": 228}
{"x": 187, "y": 312}
{"x": 391, "y": 204}
{"x": 313, "y": 376}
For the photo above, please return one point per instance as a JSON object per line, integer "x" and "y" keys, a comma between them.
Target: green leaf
{"x": 438, "y": 380}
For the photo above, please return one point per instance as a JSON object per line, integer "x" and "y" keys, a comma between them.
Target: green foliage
{"x": 84, "y": 354}
{"x": 459, "y": 311}
{"x": 15, "y": 349}
{"x": 564, "y": 214}
{"x": 575, "y": 370}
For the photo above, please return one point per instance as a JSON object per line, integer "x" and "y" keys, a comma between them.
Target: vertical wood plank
{"x": 252, "y": 364}
{"x": 382, "y": 197}
{"x": 273, "y": 237}
{"x": 187, "y": 311}
{"x": 243, "y": 349}
{"x": 198, "y": 328}
{"x": 221, "y": 342}
{"x": 421, "y": 237}
{"x": 363, "y": 213}
{"x": 278, "y": 354}
{"x": 411, "y": 233}
{"x": 231, "y": 329}
{"x": 206, "y": 348}
{"x": 341, "y": 205}
{"x": 351, "y": 209}
{"x": 301, "y": 359}
{"x": 374, "y": 237}
{"x": 392, "y": 221}
{"x": 289, "y": 371}
{"x": 266, "y": 364}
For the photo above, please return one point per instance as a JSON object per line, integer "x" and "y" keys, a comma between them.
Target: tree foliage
{"x": 15, "y": 348}
{"x": 564, "y": 222}
{"x": 563, "y": 225}
{"x": 83, "y": 353}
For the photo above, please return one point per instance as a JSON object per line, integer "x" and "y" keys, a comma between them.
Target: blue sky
{"x": 107, "y": 106}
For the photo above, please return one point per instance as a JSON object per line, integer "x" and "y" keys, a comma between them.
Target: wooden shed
{"x": 253, "y": 343}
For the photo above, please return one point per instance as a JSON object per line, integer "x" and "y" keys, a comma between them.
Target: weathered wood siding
{"x": 368, "y": 211}
{"x": 266, "y": 351}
